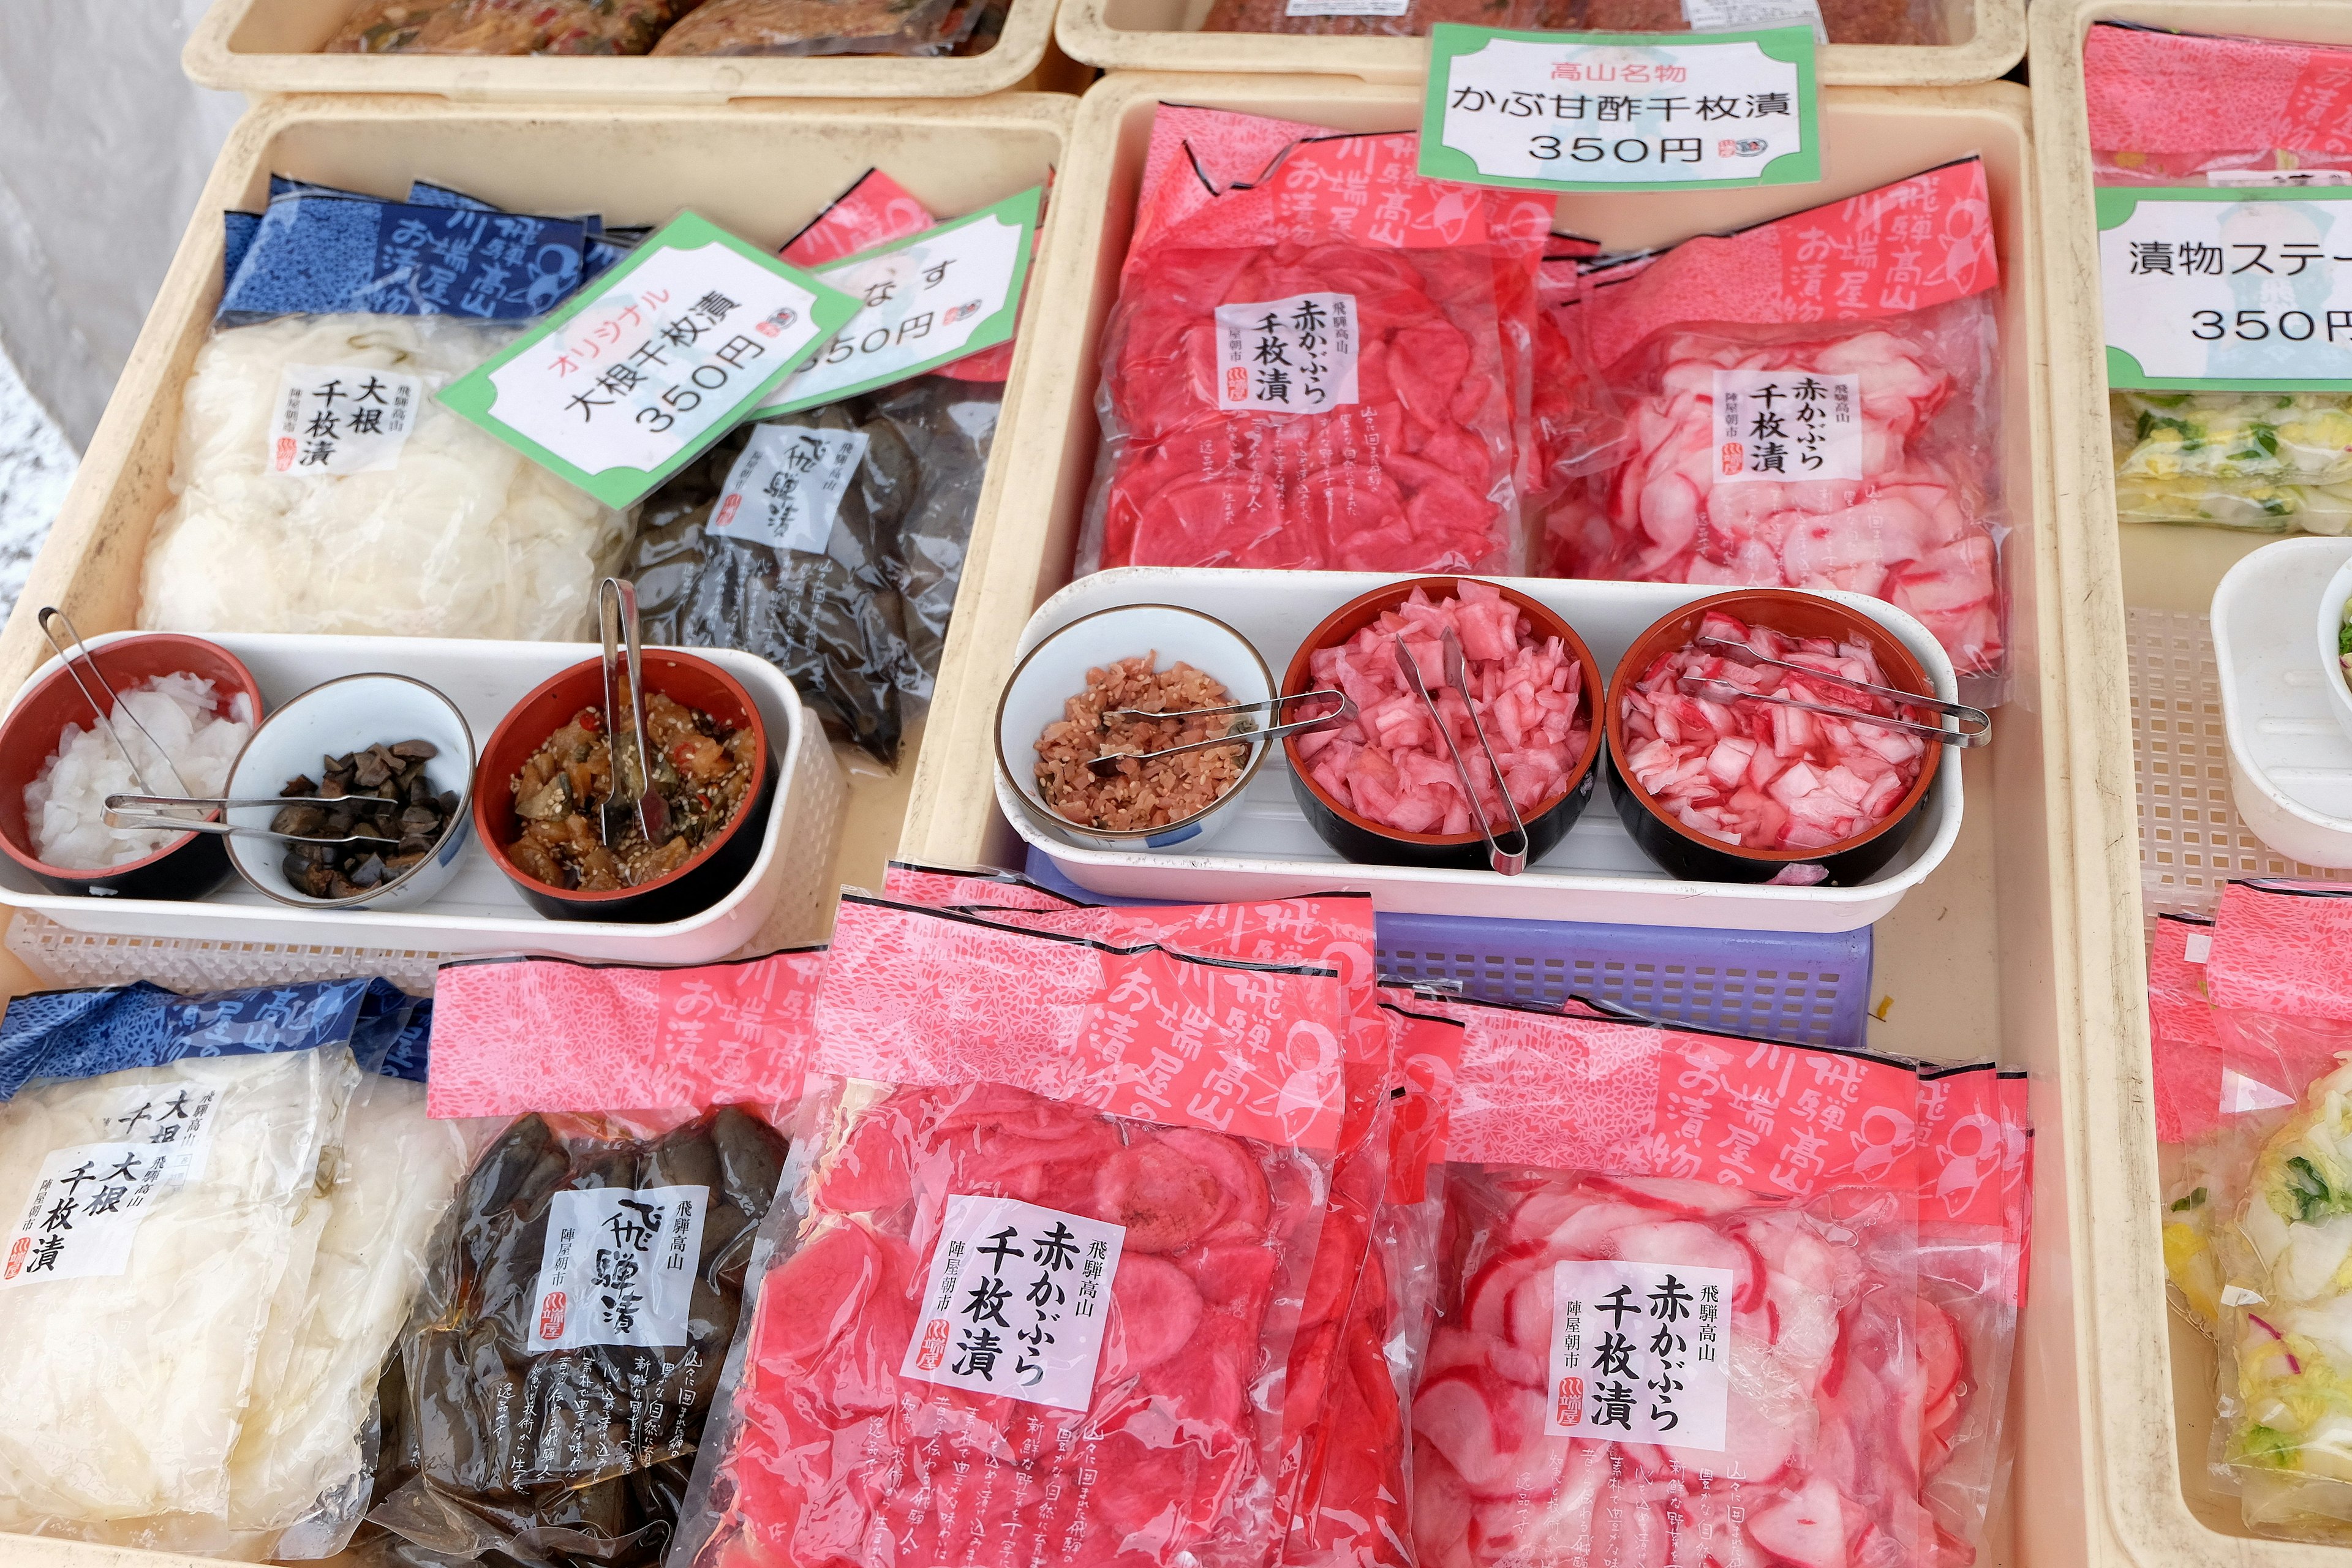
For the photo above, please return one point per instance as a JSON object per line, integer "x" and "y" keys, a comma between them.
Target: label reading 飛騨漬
{"x": 619, "y": 1267}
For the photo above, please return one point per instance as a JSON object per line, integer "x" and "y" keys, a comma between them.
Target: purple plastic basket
{"x": 1805, "y": 987}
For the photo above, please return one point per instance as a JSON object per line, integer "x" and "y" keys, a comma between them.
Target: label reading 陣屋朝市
{"x": 2227, "y": 290}
{"x": 922, "y": 301}
{"x": 653, "y": 362}
{"x": 1621, "y": 112}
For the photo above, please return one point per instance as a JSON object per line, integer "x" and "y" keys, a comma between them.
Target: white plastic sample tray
{"x": 480, "y": 911}
{"x": 2290, "y": 761}
{"x": 1595, "y": 873}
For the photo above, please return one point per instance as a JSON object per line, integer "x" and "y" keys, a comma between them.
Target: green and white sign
{"x": 923, "y": 302}
{"x": 653, "y": 362}
{"x": 1621, "y": 112}
{"x": 2227, "y": 290}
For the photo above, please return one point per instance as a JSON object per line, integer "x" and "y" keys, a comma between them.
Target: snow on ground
{"x": 36, "y": 466}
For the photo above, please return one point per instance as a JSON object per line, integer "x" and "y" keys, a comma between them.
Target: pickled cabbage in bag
{"x": 1320, "y": 362}
{"x": 2250, "y": 1023}
{"x": 1812, "y": 402}
{"x": 2272, "y": 461}
{"x": 1059, "y": 1216}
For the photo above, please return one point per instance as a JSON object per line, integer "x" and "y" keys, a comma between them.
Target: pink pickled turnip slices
{"x": 1727, "y": 768}
{"x": 1385, "y": 784}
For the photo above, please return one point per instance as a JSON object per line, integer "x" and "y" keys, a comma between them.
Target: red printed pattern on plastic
{"x": 1901, "y": 247}
{"x": 874, "y": 211}
{"x": 1567, "y": 1093}
{"x": 1252, "y": 1053}
{"x": 2165, "y": 93}
{"x": 532, "y": 1035}
{"x": 940, "y": 889}
{"x": 1427, "y": 1052}
{"x": 2289, "y": 953}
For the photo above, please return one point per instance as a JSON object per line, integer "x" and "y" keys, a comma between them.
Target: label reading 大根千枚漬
{"x": 1295, "y": 356}
{"x": 1786, "y": 426}
{"x": 1016, "y": 1301}
{"x": 1640, "y": 1352}
{"x": 786, "y": 488}
{"x": 340, "y": 419}
{"x": 618, "y": 1268}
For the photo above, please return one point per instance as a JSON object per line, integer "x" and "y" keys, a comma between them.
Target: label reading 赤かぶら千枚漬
{"x": 1786, "y": 426}
{"x": 1640, "y": 1352}
{"x": 1294, "y": 356}
{"x": 1015, "y": 1302}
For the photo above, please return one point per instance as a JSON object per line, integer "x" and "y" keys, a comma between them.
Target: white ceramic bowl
{"x": 1056, "y": 670}
{"x": 2331, "y": 625}
{"x": 344, "y": 715}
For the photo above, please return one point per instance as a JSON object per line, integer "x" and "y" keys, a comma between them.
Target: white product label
{"x": 1296, "y": 356}
{"x": 1640, "y": 1352}
{"x": 1658, "y": 114}
{"x": 619, "y": 1267}
{"x": 1348, "y": 7}
{"x": 86, "y": 1207}
{"x": 918, "y": 304}
{"x": 2260, "y": 178}
{"x": 786, "y": 488}
{"x": 176, "y": 1117}
{"x": 1016, "y": 1303}
{"x": 646, "y": 371}
{"x": 2250, "y": 289}
{"x": 342, "y": 419}
{"x": 1786, "y": 426}
{"x": 1740, "y": 16}
{"x": 2199, "y": 947}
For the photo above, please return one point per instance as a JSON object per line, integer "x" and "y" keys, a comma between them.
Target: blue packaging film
{"x": 237, "y": 230}
{"x": 317, "y": 252}
{"x": 605, "y": 246}
{"x": 85, "y": 1034}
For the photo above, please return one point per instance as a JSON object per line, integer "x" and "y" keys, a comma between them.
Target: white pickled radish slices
{"x": 1756, "y": 774}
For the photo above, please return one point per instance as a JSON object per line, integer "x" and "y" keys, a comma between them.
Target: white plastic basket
{"x": 1596, "y": 873}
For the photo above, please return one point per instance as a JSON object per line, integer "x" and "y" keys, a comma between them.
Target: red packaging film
{"x": 1057, "y": 1223}
{"x": 1810, "y": 403}
{"x": 1694, "y": 1305}
{"x": 1317, "y": 360}
{"x": 2173, "y": 109}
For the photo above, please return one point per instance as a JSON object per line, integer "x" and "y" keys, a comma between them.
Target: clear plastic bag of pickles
{"x": 2273, "y": 461}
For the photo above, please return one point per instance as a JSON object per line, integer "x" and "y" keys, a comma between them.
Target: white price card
{"x": 2227, "y": 290}
{"x": 1621, "y": 112}
{"x": 1641, "y": 1352}
{"x": 1015, "y": 1302}
{"x": 653, "y": 362}
{"x": 619, "y": 1267}
{"x": 922, "y": 301}
{"x": 333, "y": 420}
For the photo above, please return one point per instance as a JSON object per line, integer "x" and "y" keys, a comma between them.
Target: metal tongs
{"x": 1507, "y": 862}
{"x": 620, "y": 629}
{"x": 118, "y": 815}
{"x": 113, "y": 703}
{"x": 1976, "y": 724}
{"x": 1104, "y": 767}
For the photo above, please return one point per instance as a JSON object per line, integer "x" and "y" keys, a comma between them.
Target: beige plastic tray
{"x": 1988, "y": 39}
{"x": 2146, "y": 1379}
{"x": 272, "y": 46}
{"x": 1978, "y": 959}
{"x": 762, "y": 169}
